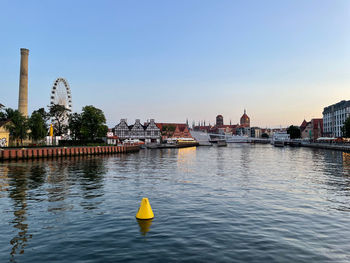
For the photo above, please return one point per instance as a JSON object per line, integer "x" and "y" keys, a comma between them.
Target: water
{"x": 242, "y": 203}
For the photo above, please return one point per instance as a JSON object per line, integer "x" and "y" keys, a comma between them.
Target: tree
{"x": 37, "y": 124}
{"x": 58, "y": 114}
{"x": 3, "y": 115}
{"x": 346, "y": 128}
{"x": 264, "y": 135}
{"x": 293, "y": 131}
{"x": 168, "y": 129}
{"x": 75, "y": 125}
{"x": 93, "y": 123}
{"x": 18, "y": 127}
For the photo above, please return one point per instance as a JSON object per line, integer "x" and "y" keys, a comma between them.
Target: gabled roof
{"x": 303, "y": 124}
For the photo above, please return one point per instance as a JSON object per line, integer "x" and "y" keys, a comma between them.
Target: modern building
{"x": 334, "y": 117}
{"x": 149, "y": 132}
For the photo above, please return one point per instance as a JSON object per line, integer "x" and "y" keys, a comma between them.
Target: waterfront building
{"x": 312, "y": 129}
{"x": 174, "y": 130}
{"x": 111, "y": 139}
{"x": 243, "y": 130}
{"x": 152, "y": 132}
{"x": 148, "y": 132}
{"x": 306, "y": 130}
{"x": 4, "y": 134}
{"x": 245, "y": 120}
{"x": 317, "y": 128}
{"x": 219, "y": 120}
{"x": 122, "y": 130}
{"x": 255, "y": 132}
{"x": 137, "y": 131}
{"x": 334, "y": 117}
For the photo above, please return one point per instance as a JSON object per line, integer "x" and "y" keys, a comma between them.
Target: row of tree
{"x": 86, "y": 126}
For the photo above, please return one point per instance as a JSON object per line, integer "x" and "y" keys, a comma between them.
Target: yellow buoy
{"x": 145, "y": 210}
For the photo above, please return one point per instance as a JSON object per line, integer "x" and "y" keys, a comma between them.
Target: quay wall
{"x": 344, "y": 148}
{"x": 48, "y": 152}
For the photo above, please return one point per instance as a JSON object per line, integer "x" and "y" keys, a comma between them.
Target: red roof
{"x": 181, "y": 126}
{"x": 303, "y": 125}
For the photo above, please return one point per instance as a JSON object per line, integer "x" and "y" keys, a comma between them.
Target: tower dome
{"x": 245, "y": 120}
{"x": 219, "y": 120}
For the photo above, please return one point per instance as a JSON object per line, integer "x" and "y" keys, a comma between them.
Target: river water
{"x": 241, "y": 203}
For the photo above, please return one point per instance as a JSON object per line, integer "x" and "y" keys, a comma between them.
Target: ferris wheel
{"x": 61, "y": 94}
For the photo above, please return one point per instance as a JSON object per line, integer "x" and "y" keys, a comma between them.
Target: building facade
{"x": 245, "y": 120}
{"x": 219, "y": 120}
{"x": 255, "y": 132}
{"x": 4, "y": 134}
{"x": 334, "y": 117}
{"x": 174, "y": 130}
{"x": 149, "y": 132}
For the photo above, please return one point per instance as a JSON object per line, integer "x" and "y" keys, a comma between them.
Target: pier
{"x": 49, "y": 152}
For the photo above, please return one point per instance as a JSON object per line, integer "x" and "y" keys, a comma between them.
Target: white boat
{"x": 279, "y": 139}
{"x": 221, "y": 143}
{"x": 278, "y": 143}
{"x": 201, "y": 137}
{"x": 236, "y": 138}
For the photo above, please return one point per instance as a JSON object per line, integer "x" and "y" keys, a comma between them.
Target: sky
{"x": 282, "y": 61}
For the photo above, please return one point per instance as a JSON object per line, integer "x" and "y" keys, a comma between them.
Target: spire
{"x": 244, "y": 111}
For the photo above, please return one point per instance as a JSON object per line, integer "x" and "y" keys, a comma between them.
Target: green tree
{"x": 58, "y": 114}
{"x": 18, "y": 127}
{"x": 37, "y": 124}
{"x": 75, "y": 125}
{"x": 93, "y": 123}
{"x": 3, "y": 116}
{"x": 293, "y": 131}
{"x": 346, "y": 128}
{"x": 168, "y": 129}
{"x": 264, "y": 135}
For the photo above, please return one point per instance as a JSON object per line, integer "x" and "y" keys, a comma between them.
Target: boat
{"x": 236, "y": 138}
{"x": 280, "y": 138}
{"x": 186, "y": 142}
{"x": 221, "y": 143}
{"x": 277, "y": 143}
{"x": 201, "y": 137}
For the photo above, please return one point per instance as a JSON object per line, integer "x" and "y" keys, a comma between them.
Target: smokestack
{"x": 23, "y": 83}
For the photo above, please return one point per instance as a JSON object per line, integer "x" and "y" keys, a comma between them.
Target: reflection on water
{"x": 185, "y": 158}
{"x": 4, "y": 181}
{"x": 250, "y": 203}
{"x": 18, "y": 193}
{"x": 145, "y": 226}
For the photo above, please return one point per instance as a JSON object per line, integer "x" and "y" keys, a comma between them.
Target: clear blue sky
{"x": 172, "y": 60}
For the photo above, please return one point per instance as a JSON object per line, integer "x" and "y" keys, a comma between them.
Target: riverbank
{"x": 336, "y": 147}
{"x": 48, "y": 152}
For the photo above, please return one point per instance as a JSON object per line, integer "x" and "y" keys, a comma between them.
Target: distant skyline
{"x": 282, "y": 61}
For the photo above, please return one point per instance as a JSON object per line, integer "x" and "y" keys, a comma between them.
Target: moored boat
{"x": 278, "y": 143}
{"x": 221, "y": 143}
